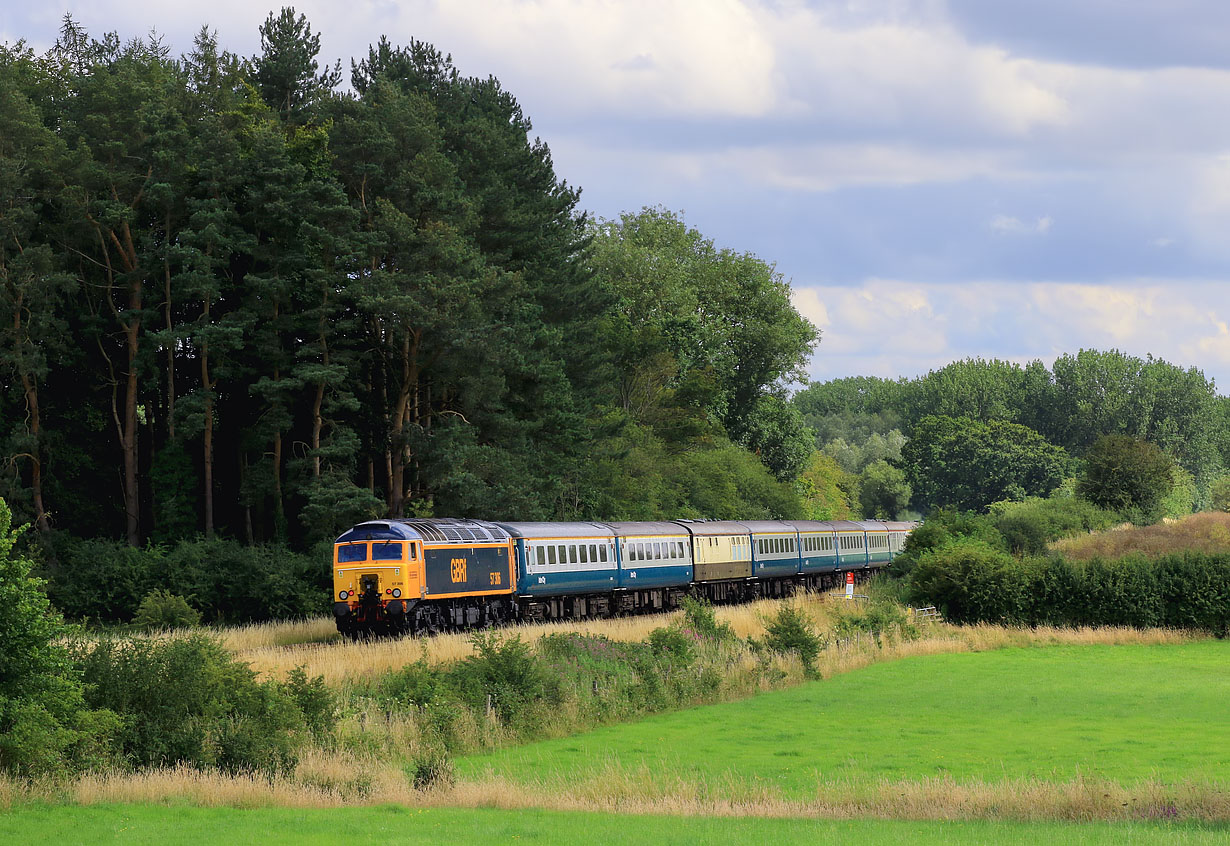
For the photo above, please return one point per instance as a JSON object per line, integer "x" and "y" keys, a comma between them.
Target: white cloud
{"x": 894, "y": 328}
{"x": 1004, "y": 224}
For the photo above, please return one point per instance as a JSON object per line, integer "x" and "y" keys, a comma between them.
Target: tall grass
{"x": 323, "y": 783}
{"x": 274, "y": 648}
{"x": 1207, "y": 532}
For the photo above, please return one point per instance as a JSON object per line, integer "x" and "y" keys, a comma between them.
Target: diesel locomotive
{"x": 430, "y": 575}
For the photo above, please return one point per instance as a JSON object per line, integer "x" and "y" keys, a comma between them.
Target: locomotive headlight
{"x": 343, "y": 594}
{"x": 396, "y": 591}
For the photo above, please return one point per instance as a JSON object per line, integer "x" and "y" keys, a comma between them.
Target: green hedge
{"x": 973, "y": 582}
{"x": 223, "y": 579}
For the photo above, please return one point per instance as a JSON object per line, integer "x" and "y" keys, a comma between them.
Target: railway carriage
{"x": 655, "y": 564}
{"x": 818, "y": 561}
{"x": 721, "y": 558}
{"x": 775, "y": 549}
{"x": 564, "y": 569}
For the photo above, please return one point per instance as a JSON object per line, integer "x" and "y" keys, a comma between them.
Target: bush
{"x": 187, "y": 700}
{"x": 161, "y": 609}
{"x": 505, "y": 669}
{"x": 700, "y": 619}
{"x": 432, "y": 768}
{"x": 1127, "y": 475}
{"x": 44, "y": 726}
{"x": 971, "y": 581}
{"x": 791, "y": 631}
{"x": 228, "y": 581}
{"x": 1027, "y": 527}
{"x": 972, "y": 584}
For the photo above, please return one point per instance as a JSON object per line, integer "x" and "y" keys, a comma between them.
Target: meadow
{"x": 1102, "y": 731}
{"x": 171, "y": 826}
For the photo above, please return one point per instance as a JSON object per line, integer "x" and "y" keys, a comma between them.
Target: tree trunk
{"x": 208, "y": 388}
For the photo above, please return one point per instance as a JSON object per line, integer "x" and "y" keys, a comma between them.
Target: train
{"x": 428, "y": 575}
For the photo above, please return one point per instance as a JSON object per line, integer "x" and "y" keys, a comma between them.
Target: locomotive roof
{"x": 627, "y": 528}
{"x": 430, "y": 529}
{"x": 556, "y": 530}
{"x": 705, "y": 528}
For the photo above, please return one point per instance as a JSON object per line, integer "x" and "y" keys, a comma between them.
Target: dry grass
{"x": 332, "y": 783}
{"x": 1205, "y": 532}
{"x": 342, "y": 660}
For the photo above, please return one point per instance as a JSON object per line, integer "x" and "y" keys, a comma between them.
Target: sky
{"x": 937, "y": 179}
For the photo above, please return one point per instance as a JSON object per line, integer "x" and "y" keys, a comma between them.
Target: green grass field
{"x": 1123, "y": 713}
{"x": 170, "y": 826}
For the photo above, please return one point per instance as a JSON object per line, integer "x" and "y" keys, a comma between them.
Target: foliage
{"x": 187, "y": 700}
{"x": 973, "y": 583}
{"x": 791, "y": 631}
{"x": 1219, "y": 494}
{"x": 45, "y": 727}
{"x": 107, "y": 580}
{"x": 161, "y": 609}
{"x": 1127, "y": 475}
{"x": 700, "y": 619}
{"x": 432, "y": 768}
{"x": 505, "y": 669}
{"x": 826, "y": 489}
{"x": 883, "y": 491}
{"x": 1027, "y": 527}
{"x": 1084, "y": 396}
{"x": 967, "y": 464}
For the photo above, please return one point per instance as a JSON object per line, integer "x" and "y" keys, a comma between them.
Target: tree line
{"x": 979, "y": 431}
{"x": 239, "y": 300}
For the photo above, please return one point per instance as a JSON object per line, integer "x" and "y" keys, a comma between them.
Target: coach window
{"x": 551, "y": 555}
{"x": 602, "y": 552}
{"x": 584, "y": 556}
{"x": 542, "y": 556}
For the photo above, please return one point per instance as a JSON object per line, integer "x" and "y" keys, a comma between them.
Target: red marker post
{"x": 849, "y": 586}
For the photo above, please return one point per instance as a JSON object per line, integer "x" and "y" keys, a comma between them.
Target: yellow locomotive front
{"x": 377, "y": 578}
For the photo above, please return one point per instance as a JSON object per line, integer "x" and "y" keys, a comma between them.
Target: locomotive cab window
{"x": 352, "y": 552}
{"x": 386, "y": 552}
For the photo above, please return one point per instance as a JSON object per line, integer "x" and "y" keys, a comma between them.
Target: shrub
{"x": 161, "y": 609}
{"x": 505, "y": 669}
{"x": 432, "y": 768}
{"x": 791, "y": 631}
{"x": 107, "y": 580}
{"x": 44, "y": 726}
{"x": 315, "y": 700}
{"x": 700, "y": 618}
{"x": 673, "y": 644}
{"x": 970, "y": 581}
{"x": 187, "y": 700}
{"x": 1128, "y": 475}
{"x": 415, "y": 684}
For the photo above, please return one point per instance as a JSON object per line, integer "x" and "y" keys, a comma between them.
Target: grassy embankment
{"x": 1207, "y": 532}
{"x": 171, "y": 826}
